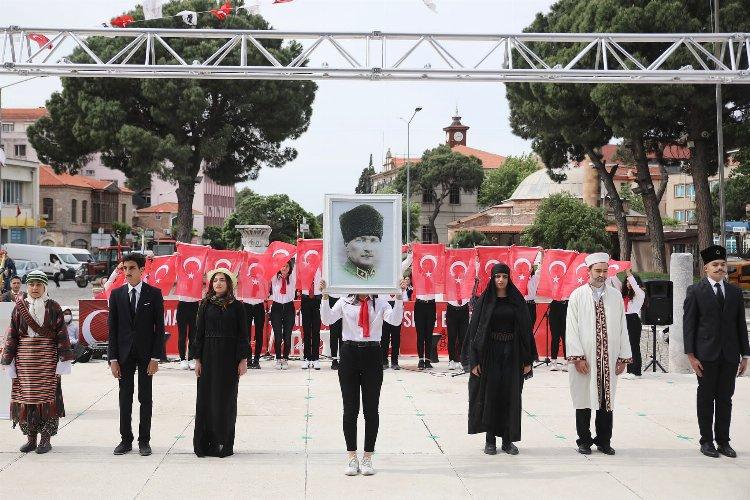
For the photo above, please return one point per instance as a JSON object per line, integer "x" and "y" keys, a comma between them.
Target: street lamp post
{"x": 720, "y": 140}
{"x": 408, "y": 175}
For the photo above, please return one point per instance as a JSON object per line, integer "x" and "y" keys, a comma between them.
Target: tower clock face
{"x": 458, "y": 136}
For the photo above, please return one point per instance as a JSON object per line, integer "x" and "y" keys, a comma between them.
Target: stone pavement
{"x": 290, "y": 444}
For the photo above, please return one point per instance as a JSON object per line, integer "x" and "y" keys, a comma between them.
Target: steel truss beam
{"x": 683, "y": 58}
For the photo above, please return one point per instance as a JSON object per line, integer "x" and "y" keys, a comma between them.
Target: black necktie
{"x": 132, "y": 302}
{"x": 720, "y": 295}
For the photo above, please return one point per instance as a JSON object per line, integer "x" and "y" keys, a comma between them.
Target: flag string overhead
{"x": 152, "y": 10}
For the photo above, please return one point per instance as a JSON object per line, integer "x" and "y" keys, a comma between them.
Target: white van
{"x": 81, "y": 254}
{"x": 42, "y": 255}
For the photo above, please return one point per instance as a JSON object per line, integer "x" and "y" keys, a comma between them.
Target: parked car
{"x": 24, "y": 267}
{"x": 42, "y": 255}
{"x": 738, "y": 273}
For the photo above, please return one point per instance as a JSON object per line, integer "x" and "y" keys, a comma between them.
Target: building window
{"x": 48, "y": 208}
{"x": 690, "y": 216}
{"x": 679, "y": 190}
{"x": 79, "y": 243}
{"x": 690, "y": 191}
{"x": 426, "y": 234}
{"x": 427, "y": 197}
{"x": 90, "y": 172}
{"x": 73, "y": 211}
{"x": 713, "y": 185}
{"x": 455, "y": 195}
{"x": 678, "y": 248}
{"x": 9, "y": 127}
{"x": 12, "y": 192}
{"x": 84, "y": 211}
{"x": 20, "y": 150}
{"x": 124, "y": 213}
{"x": 679, "y": 215}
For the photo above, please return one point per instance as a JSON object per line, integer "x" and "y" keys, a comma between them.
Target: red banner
{"x": 428, "y": 268}
{"x": 523, "y": 262}
{"x": 280, "y": 253}
{"x": 555, "y": 263}
{"x": 191, "y": 261}
{"x": 252, "y": 281}
{"x": 310, "y": 255}
{"x": 161, "y": 272}
{"x": 618, "y": 266}
{"x": 460, "y": 264}
{"x": 577, "y": 275}
{"x": 488, "y": 257}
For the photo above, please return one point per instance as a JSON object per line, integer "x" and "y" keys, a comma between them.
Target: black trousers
{"x": 532, "y": 312}
{"x": 715, "y": 391}
{"x": 128, "y": 367}
{"x": 634, "y": 335}
{"x": 186, "y": 315}
{"x": 558, "y": 313}
{"x": 282, "y": 322}
{"x": 360, "y": 371}
{"x": 311, "y": 326}
{"x": 424, "y": 323}
{"x": 335, "y": 331}
{"x": 256, "y": 316}
{"x": 56, "y": 278}
{"x": 391, "y": 336}
{"x": 457, "y": 321}
{"x": 602, "y": 424}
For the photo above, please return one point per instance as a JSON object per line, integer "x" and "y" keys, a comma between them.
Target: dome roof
{"x": 538, "y": 185}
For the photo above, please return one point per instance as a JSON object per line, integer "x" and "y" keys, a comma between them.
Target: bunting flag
{"x": 428, "y": 268}
{"x": 577, "y": 275}
{"x": 161, "y": 272}
{"x": 488, "y": 257}
{"x": 191, "y": 260}
{"x": 222, "y": 12}
{"x": 309, "y": 257}
{"x": 189, "y": 17}
{"x": 252, "y": 282}
{"x": 523, "y": 262}
{"x": 280, "y": 253}
{"x": 251, "y": 9}
{"x": 40, "y": 39}
{"x": 618, "y": 266}
{"x": 152, "y": 9}
{"x": 122, "y": 21}
{"x": 555, "y": 263}
{"x": 430, "y": 4}
{"x": 230, "y": 259}
{"x": 282, "y": 1}
{"x": 461, "y": 271}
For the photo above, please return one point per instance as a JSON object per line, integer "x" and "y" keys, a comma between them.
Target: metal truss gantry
{"x": 378, "y": 56}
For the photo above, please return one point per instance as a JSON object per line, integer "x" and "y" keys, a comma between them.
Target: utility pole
{"x": 720, "y": 138}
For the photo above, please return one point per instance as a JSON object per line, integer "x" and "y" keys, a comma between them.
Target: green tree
{"x": 439, "y": 171}
{"x": 736, "y": 190}
{"x": 468, "y": 239}
{"x": 120, "y": 230}
{"x": 563, "y": 221}
{"x": 278, "y": 211}
{"x": 501, "y": 182}
{"x": 215, "y": 237}
{"x": 180, "y": 128}
{"x": 242, "y": 194}
{"x": 364, "y": 186}
{"x": 416, "y": 210}
{"x": 635, "y": 201}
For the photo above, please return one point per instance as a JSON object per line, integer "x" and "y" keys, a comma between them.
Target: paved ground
{"x": 289, "y": 443}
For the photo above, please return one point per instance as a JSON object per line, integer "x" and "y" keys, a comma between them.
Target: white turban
{"x": 597, "y": 258}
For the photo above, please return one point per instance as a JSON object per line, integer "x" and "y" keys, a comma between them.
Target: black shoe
{"x": 385, "y": 365}
{"x": 144, "y": 449}
{"x": 44, "y": 446}
{"x": 249, "y": 364}
{"x": 394, "y": 366}
{"x": 427, "y": 364}
{"x": 490, "y": 449}
{"x": 30, "y": 445}
{"x": 420, "y": 365}
{"x": 726, "y": 450}
{"x": 510, "y": 448}
{"x": 584, "y": 449}
{"x": 123, "y": 448}
{"x": 709, "y": 450}
{"x": 255, "y": 365}
{"x": 607, "y": 450}
{"x": 335, "y": 364}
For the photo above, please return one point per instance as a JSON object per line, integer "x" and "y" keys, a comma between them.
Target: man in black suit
{"x": 717, "y": 346}
{"x": 136, "y": 342}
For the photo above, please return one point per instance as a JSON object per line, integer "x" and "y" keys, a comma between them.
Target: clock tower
{"x": 455, "y": 133}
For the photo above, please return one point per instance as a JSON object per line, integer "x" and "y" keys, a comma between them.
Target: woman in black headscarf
{"x": 501, "y": 349}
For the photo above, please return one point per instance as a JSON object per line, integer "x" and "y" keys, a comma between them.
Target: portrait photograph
{"x": 362, "y": 243}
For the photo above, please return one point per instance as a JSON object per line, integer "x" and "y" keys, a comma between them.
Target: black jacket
{"x": 710, "y": 332}
{"x": 145, "y": 331}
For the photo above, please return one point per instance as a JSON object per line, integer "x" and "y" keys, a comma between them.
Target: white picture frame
{"x": 382, "y": 272}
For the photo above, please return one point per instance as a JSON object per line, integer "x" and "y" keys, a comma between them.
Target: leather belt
{"x": 425, "y": 300}
{"x": 359, "y": 343}
{"x": 502, "y": 337}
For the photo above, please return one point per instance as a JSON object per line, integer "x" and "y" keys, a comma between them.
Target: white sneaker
{"x": 315, "y": 364}
{"x": 278, "y": 364}
{"x": 628, "y": 376}
{"x": 367, "y": 468}
{"x": 183, "y": 365}
{"x": 352, "y": 468}
{"x": 306, "y": 364}
{"x": 191, "y": 364}
{"x": 564, "y": 366}
{"x": 554, "y": 366}
{"x": 284, "y": 364}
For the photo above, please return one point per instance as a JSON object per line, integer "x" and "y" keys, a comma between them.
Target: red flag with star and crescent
{"x": 618, "y": 266}
{"x": 230, "y": 259}
{"x": 252, "y": 283}
{"x": 280, "y": 253}
{"x": 522, "y": 259}
{"x": 488, "y": 257}
{"x": 555, "y": 263}
{"x": 116, "y": 283}
{"x": 310, "y": 255}
{"x": 161, "y": 272}
{"x": 191, "y": 261}
{"x": 40, "y": 39}
{"x": 460, "y": 271}
{"x": 577, "y": 275}
{"x": 428, "y": 268}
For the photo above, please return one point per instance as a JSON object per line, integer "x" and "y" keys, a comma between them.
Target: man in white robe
{"x": 597, "y": 344}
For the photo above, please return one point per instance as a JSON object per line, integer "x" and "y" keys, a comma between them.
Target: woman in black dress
{"x": 501, "y": 351}
{"x": 221, "y": 349}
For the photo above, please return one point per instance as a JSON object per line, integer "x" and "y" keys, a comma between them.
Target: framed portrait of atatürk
{"x": 362, "y": 243}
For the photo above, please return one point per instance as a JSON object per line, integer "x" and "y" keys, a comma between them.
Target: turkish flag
{"x": 122, "y": 21}
{"x": 191, "y": 260}
{"x": 523, "y": 261}
{"x": 161, "y": 272}
{"x": 618, "y": 266}
{"x": 252, "y": 283}
{"x": 428, "y": 268}
{"x": 404, "y": 249}
{"x": 488, "y": 257}
{"x": 577, "y": 275}
{"x": 555, "y": 263}
{"x": 108, "y": 288}
{"x": 460, "y": 272}
{"x": 280, "y": 253}
{"x": 42, "y": 40}
{"x": 230, "y": 259}
{"x": 222, "y": 12}
{"x": 310, "y": 256}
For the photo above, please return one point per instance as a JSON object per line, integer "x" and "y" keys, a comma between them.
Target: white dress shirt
{"x": 532, "y": 286}
{"x": 276, "y": 294}
{"x": 598, "y": 292}
{"x": 713, "y": 286}
{"x": 458, "y": 303}
{"x": 636, "y": 303}
{"x": 348, "y": 310}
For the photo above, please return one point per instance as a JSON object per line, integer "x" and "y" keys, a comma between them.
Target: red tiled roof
{"x": 489, "y": 160}
{"x": 22, "y": 114}
{"x": 631, "y": 229}
{"x": 48, "y": 177}
{"x": 670, "y": 153}
{"x": 167, "y": 207}
{"x": 496, "y": 228}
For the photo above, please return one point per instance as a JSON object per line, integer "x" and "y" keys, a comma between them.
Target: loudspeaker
{"x": 657, "y": 309}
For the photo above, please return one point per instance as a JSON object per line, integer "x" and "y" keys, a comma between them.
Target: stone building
{"x": 159, "y": 218}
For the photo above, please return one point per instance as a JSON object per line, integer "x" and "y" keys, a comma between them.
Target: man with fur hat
{"x": 716, "y": 344}
{"x": 597, "y": 343}
{"x": 362, "y": 230}
{"x": 38, "y": 347}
